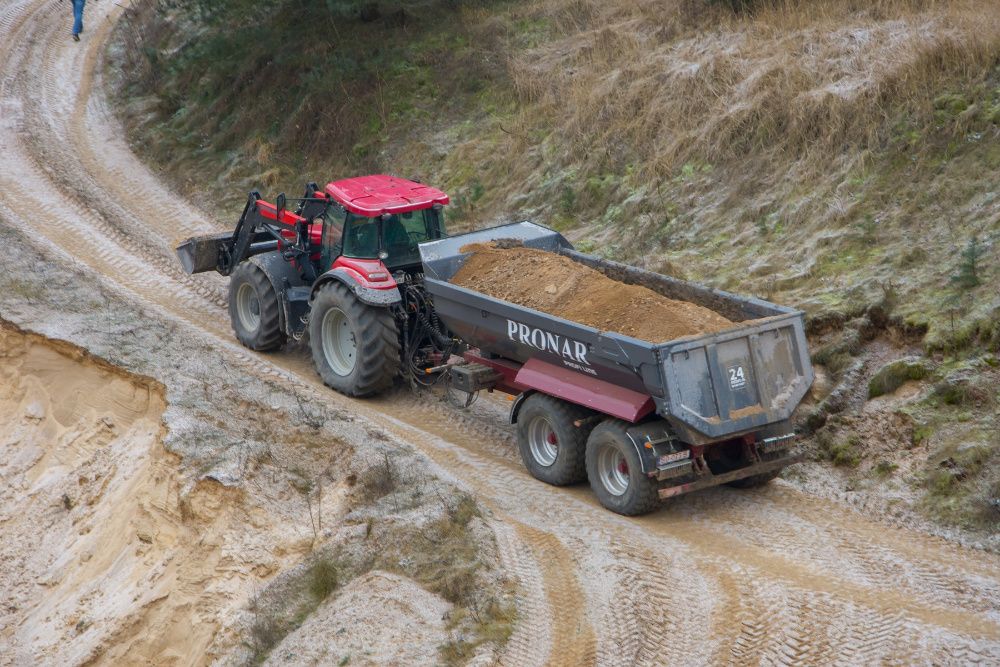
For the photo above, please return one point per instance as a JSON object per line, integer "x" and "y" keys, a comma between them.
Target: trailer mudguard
{"x": 585, "y": 390}
{"x": 285, "y": 279}
{"x": 367, "y": 295}
{"x": 651, "y": 439}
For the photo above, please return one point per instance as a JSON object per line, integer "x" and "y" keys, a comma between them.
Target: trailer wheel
{"x": 355, "y": 347}
{"x": 254, "y": 309}
{"x": 551, "y": 446}
{"x": 615, "y": 472}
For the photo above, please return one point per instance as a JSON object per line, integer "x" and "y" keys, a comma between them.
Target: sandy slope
{"x": 773, "y": 576}
{"x": 379, "y": 618}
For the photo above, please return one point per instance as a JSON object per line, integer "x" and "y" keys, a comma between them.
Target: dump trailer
{"x": 640, "y": 421}
{"x": 644, "y": 421}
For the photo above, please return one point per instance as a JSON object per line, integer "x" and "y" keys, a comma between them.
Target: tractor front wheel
{"x": 254, "y": 310}
{"x": 355, "y": 347}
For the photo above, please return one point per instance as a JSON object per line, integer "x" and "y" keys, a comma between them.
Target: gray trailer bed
{"x": 709, "y": 387}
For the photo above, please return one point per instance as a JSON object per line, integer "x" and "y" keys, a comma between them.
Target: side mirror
{"x": 280, "y": 203}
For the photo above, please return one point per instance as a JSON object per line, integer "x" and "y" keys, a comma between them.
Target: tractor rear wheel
{"x": 254, "y": 309}
{"x": 615, "y": 472}
{"x": 551, "y": 445}
{"x": 355, "y": 347}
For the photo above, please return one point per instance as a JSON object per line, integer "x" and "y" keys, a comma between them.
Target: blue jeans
{"x": 78, "y": 16}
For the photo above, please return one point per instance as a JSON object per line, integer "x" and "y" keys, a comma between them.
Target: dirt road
{"x": 724, "y": 576}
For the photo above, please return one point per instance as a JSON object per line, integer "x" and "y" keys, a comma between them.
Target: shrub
{"x": 967, "y": 276}
{"x": 379, "y": 480}
{"x": 322, "y": 578}
{"x": 890, "y": 377}
{"x": 843, "y": 452}
{"x": 884, "y": 468}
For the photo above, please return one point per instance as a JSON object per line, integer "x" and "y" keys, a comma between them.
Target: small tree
{"x": 967, "y": 276}
{"x": 963, "y": 280}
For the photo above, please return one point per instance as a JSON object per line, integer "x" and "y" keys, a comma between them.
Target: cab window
{"x": 403, "y": 231}
{"x": 361, "y": 237}
{"x": 333, "y": 233}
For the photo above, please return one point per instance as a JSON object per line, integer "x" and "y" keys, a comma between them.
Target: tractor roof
{"x": 375, "y": 195}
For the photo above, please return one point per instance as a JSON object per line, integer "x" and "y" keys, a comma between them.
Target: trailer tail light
{"x": 378, "y": 276}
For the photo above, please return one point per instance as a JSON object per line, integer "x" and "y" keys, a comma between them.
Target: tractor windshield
{"x": 400, "y": 234}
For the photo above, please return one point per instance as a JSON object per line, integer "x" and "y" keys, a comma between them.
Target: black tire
{"x": 543, "y": 419}
{"x": 375, "y": 358}
{"x": 254, "y": 310}
{"x": 640, "y": 493}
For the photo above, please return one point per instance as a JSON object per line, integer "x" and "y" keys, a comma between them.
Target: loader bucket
{"x": 201, "y": 253}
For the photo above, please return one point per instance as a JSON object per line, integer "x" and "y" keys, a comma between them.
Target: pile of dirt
{"x": 557, "y": 285}
{"x": 101, "y": 559}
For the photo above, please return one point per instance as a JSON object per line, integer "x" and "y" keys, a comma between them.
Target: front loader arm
{"x": 262, "y": 227}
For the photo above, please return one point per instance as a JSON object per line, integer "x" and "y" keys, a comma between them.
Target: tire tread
{"x": 269, "y": 336}
{"x": 572, "y": 468}
{"x": 377, "y": 362}
{"x": 645, "y": 495}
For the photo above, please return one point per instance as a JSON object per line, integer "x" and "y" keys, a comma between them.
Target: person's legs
{"x": 78, "y": 16}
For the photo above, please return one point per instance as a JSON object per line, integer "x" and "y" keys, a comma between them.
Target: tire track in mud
{"x": 529, "y": 643}
{"x": 873, "y": 562}
{"x": 572, "y": 636}
{"x": 746, "y": 572}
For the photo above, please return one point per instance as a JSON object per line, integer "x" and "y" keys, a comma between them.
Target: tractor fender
{"x": 367, "y": 295}
{"x": 282, "y": 276}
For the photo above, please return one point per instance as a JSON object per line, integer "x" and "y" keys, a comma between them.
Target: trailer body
{"x": 744, "y": 380}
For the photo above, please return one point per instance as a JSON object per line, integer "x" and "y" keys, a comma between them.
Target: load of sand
{"x": 557, "y": 285}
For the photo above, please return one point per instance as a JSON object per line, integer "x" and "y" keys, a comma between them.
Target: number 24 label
{"x": 737, "y": 377}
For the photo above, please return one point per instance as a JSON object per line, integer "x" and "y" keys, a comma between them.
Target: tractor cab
{"x": 380, "y": 218}
{"x": 390, "y": 237}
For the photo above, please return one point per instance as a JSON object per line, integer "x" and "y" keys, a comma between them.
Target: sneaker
{"x": 76, "y": 38}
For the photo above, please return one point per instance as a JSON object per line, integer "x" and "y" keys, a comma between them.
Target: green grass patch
{"x": 891, "y": 377}
{"x": 280, "y": 610}
{"x": 962, "y": 483}
{"x": 845, "y": 452}
{"x": 884, "y": 468}
{"x": 442, "y": 555}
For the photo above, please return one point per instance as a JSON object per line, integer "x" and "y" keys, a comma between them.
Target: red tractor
{"x": 344, "y": 263}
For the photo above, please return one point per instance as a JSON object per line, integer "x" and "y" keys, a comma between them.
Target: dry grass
{"x": 669, "y": 82}
{"x": 379, "y": 480}
{"x": 803, "y": 151}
